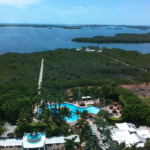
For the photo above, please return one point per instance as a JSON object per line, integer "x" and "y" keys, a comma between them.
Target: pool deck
{"x": 86, "y": 104}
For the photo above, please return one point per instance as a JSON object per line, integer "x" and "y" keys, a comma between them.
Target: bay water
{"x": 31, "y": 39}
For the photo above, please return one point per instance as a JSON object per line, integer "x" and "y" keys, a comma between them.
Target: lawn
{"x": 146, "y": 100}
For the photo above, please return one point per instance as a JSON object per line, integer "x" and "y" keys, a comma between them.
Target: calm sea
{"x": 31, "y": 39}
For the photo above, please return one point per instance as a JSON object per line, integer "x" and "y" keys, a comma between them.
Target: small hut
{"x": 111, "y": 106}
{"x": 119, "y": 106}
{"x": 91, "y": 116}
{"x": 81, "y": 103}
{"x": 70, "y": 100}
{"x": 114, "y": 110}
{"x": 120, "y": 109}
{"x": 115, "y": 103}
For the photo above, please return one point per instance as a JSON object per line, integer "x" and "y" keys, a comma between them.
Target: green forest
{"x": 63, "y": 68}
{"x": 118, "y": 38}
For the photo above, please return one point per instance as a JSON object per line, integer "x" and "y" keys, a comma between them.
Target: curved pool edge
{"x": 73, "y": 108}
{"x": 79, "y": 107}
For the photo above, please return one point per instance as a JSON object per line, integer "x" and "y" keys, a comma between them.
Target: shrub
{"x": 122, "y": 100}
{"x": 19, "y": 132}
{"x": 113, "y": 120}
{"x": 10, "y": 135}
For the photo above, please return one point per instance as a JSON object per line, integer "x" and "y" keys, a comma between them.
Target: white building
{"x": 35, "y": 140}
{"x": 128, "y": 133}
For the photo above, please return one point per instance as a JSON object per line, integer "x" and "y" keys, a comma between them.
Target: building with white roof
{"x": 128, "y": 133}
{"x": 35, "y": 140}
{"x": 88, "y": 98}
{"x": 83, "y": 98}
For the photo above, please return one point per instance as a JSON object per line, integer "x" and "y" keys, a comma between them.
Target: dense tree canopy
{"x": 119, "y": 38}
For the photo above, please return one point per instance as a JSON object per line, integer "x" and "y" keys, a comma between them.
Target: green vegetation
{"x": 119, "y": 38}
{"x": 69, "y": 27}
{"x": 130, "y": 57}
{"x": 146, "y": 100}
{"x": 70, "y": 143}
{"x": 136, "y": 27}
{"x": 113, "y": 120}
{"x": 63, "y": 69}
{"x": 135, "y": 110}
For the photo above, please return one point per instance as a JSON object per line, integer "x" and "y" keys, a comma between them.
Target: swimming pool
{"x": 90, "y": 109}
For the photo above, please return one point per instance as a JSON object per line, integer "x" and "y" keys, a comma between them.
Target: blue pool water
{"x": 33, "y": 138}
{"x": 90, "y": 109}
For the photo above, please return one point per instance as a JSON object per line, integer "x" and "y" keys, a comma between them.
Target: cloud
{"x": 78, "y": 7}
{"x": 85, "y": 10}
{"x": 93, "y": 6}
{"x": 19, "y": 3}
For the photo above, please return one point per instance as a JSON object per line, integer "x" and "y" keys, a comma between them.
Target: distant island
{"x": 69, "y": 27}
{"x": 119, "y": 38}
{"x": 118, "y": 28}
{"x": 136, "y": 27}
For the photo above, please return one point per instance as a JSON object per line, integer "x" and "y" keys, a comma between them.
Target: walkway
{"x": 41, "y": 75}
{"x": 97, "y": 134}
{"x": 126, "y": 63}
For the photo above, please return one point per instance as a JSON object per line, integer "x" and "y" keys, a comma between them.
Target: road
{"x": 41, "y": 75}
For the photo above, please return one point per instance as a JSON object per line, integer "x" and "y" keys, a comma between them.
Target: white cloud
{"x": 93, "y": 6}
{"x": 19, "y": 3}
{"x": 78, "y": 7}
{"x": 85, "y": 10}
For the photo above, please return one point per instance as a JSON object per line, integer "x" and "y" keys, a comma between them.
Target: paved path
{"x": 126, "y": 63}
{"x": 10, "y": 129}
{"x": 97, "y": 133}
{"x": 41, "y": 75}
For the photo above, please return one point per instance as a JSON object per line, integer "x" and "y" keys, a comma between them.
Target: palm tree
{"x": 24, "y": 119}
{"x": 43, "y": 105}
{"x": 3, "y": 129}
{"x": 37, "y": 100}
{"x": 107, "y": 133}
{"x": 75, "y": 93}
{"x": 92, "y": 143}
{"x": 81, "y": 125}
{"x": 65, "y": 112}
{"x": 84, "y": 114}
{"x": 116, "y": 146}
{"x": 103, "y": 114}
{"x": 133, "y": 147}
{"x": 77, "y": 112}
{"x": 101, "y": 123}
{"x": 147, "y": 144}
{"x": 70, "y": 143}
{"x": 60, "y": 100}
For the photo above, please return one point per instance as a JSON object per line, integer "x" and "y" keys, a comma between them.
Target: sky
{"x": 111, "y": 12}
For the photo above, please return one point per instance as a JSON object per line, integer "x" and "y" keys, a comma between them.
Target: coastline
{"x": 25, "y": 41}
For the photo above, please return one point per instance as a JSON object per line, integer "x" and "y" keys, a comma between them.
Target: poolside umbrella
{"x": 115, "y": 103}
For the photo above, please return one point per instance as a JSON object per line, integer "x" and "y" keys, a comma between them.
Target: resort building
{"x": 86, "y": 98}
{"x": 83, "y": 98}
{"x": 35, "y": 140}
{"x": 89, "y": 98}
{"x": 128, "y": 133}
